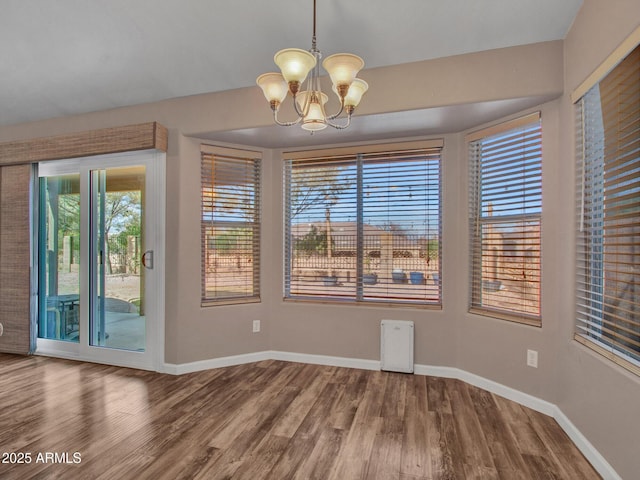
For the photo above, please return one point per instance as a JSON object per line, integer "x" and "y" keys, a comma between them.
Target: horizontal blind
{"x": 230, "y": 233}
{"x": 364, "y": 227}
{"x": 401, "y": 213}
{"x": 321, "y": 197}
{"x": 505, "y": 192}
{"x": 608, "y": 213}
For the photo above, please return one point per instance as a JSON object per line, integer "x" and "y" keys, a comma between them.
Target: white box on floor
{"x": 396, "y": 346}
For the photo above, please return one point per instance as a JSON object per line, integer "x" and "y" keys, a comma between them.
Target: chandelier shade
{"x": 273, "y": 86}
{"x": 356, "y": 90}
{"x": 300, "y": 67}
{"x": 342, "y": 68}
{"x": 312, "y": 106}
{"x": 295, "y": 64}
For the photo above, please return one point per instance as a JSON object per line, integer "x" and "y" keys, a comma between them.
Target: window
{"x": 505, "y": 198}
{"x": 230, "y": 225}
{"x": 608, "y": 212}
{"x": 363, "y": 224}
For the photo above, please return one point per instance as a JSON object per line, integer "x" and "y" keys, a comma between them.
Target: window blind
{"x": 16, "y": 182}
{"x": 505, "y": 200}
{"x": 230, "y": 227}
{"x": 608, "y": 215}
{"x": 364, "y": 226}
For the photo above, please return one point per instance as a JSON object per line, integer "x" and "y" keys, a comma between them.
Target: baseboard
{"x": 588, "y": 450}
{"x": 509, "y": 393}
{"x": 598, "y": 462}
{"x": 326, "y": 360}
{"x": 179, "y": 369}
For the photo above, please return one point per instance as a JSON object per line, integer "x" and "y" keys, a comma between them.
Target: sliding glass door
{"x": 98, "y": 281}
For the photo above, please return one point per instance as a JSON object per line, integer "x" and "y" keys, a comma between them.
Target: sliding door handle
{"x": 147, "y": 259}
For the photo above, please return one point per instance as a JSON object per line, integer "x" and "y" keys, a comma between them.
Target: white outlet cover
{"x": 532, "y": 358}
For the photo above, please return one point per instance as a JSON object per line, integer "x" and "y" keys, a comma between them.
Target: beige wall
{"x": 451, "y": 337}
{"x": 497, "y": 349}
{"x": 350, "y": 330}
{"x": 194, "y": 333}
{"x": 528, "y": 70}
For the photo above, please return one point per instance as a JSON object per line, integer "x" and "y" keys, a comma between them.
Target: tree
{"x": 122, "y": 211}
{"x": 312, "y": 242}
{"x": 316, "y": 186}
{"x": 69, "y": 214}
{"x": 122, "y": 217}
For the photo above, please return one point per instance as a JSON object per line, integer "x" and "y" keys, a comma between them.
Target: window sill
{"x": 510, "y": 317}
{"x": 608, "y": 353}
{"x": 362, "y": 303}
{"x": 229, "y": 301}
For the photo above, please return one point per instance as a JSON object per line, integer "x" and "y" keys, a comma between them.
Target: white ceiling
{"x": 66, "y": 57}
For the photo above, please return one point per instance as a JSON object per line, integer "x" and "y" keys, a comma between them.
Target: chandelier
{"x": 295, "y": 65}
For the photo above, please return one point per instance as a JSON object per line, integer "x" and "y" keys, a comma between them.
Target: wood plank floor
{"x": 267, "y": 420}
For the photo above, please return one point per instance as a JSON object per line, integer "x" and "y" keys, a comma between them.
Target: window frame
{"x": 250, "y": 160}
{"x": 607, "y": 173}
{"x": 359, "y": 155}
{"x": 531, "y": 224}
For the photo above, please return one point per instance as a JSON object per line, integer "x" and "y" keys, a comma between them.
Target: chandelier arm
{"x": 299, "y": 112}
{"x": 285, "y": 124}
{"x": 338, "y": 126}
{"x": 336, "y": 115}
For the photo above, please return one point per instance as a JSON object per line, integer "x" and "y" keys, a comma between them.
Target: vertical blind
{"x": 608, "y": 215}
{"x": 505, "y": 193}
{"x": 15, "y": 257}
{"x": 364, "y": 226}
{"x": 230, "y": 227}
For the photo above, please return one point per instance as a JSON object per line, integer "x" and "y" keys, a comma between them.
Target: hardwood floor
{"x": 267, "y": 420}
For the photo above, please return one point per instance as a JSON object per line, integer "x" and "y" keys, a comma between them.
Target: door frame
{"x": 155, "y": 208}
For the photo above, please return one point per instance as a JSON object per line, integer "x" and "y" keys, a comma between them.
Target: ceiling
{"x": 67, "y": 57}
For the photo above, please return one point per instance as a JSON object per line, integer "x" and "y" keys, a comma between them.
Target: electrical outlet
{"x": 256, "y": 326}
{"x": 532, "y": 358}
